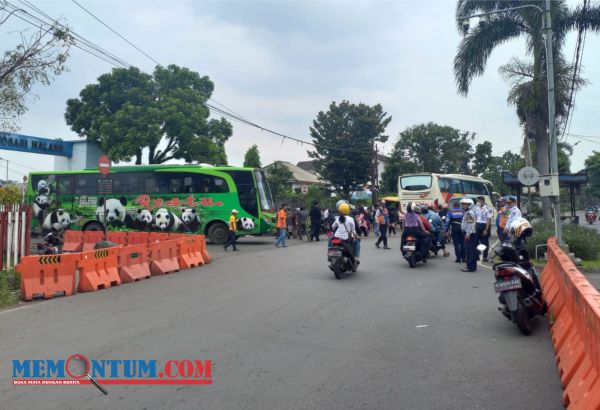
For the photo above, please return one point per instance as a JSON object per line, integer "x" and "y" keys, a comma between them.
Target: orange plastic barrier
{"x": 73, "y": 241}
{"x": 575, "y": 306}
{"x": 205, "y": 255}
{"x": 163, "y": 257}
{"x": 158, "y": 237}
{"x": 90, "y": 238}
{"x": 132, "y": 261}
{"x": 134, "y": 238}
{"x": 47, "y": 275}
{"x": 118, "y": 237}
{"x": 189, "y": 252}
{"x": 178, "y": 235}
{"x": 98, "y": 270}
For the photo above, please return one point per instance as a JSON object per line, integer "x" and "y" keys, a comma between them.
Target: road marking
{"x": 23, "y": 307}
{"x": 421, "y": 326}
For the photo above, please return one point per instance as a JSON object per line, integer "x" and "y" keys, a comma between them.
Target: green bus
{"x": 159, "y": 198}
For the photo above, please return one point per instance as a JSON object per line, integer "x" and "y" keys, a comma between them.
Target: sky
{"x": 278, "y": 63}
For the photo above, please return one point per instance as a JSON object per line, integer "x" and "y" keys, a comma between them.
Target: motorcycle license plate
{"x": 334, "y": 252}
{"x": 510, "y": 284}
{"x": 409, "y": 247}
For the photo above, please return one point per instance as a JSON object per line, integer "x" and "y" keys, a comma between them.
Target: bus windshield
{"x": 264, "y": 192}
{"x": 415, "y": 182}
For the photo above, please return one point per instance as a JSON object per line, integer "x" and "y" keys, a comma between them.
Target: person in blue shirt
{"x": 453, "y": 223}
{"x": 437, "y": 225}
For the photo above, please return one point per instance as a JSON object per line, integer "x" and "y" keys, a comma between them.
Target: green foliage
{"x": 482, "y": 158}
{"x": 509, "y": 161}
{"x": 10, "y": 195}
{"x": 435, "y": 148}
{"x": 252, "y": 157}
{"x": 128, "y": 110}
{"x": 395, "y": 167}
{"x": 582, "y": 241}
{"x": 315, "y": 193}
{"x": 592, "y": 164}
{"x": 35, "y": 60}
{"x": 343, "y": 138}
{"x": 9, "y": 285}
{"x": 279, "y": 178}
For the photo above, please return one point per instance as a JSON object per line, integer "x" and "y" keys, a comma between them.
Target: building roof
{"x": 308, "y": 166}
{"x": 299, "y": 174}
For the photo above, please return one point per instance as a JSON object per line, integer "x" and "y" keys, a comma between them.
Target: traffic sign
{"x": 528, "y": 176}
{"x": 104, "y": 164}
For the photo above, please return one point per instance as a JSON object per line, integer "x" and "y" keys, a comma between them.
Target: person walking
{"x": 315, "y": 221}
{"x": 302, "y": 222}
{"x": 470, "y": 234}
{"x": 282, "y": 227}
{"x": 231, "y": 241}
{"x": 376, "y": 228}
{"x": 393, "y": 217}
{"x": 382, "y": 221}
{"x": 452, "y": 225}
{"x": 483, "y": 225}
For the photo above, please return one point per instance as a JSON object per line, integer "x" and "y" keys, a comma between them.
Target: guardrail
{"x": 574, "y": 313}
{"x": 48, "y": 276}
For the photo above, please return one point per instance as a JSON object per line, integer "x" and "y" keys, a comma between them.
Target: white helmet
{"x": 468, "y": 201}
{"x": 521, "y": 228}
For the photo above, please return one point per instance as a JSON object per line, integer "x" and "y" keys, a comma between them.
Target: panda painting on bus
{"x": 190, "y": 218}
{"x": 165, "y": 220}
{"x": 59, "y": 216}
{"x": 40, "y": 205}
{"x": 116, "y": 214}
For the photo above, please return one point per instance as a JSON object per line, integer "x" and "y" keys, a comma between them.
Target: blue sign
{"x": 36, "y": 145}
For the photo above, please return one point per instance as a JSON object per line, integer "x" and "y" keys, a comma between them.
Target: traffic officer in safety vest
{"x": 484, "y": 224}
{"x": 453, "y": 226}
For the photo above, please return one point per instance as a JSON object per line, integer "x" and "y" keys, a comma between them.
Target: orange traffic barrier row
{"x": 73, "y": 241}
{"x": 574, "y": 306}
{"x": 51, "y": 275}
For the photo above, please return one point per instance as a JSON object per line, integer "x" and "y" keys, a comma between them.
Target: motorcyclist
{"x": 344, "y": 228}
{"x": 413, "y": 225}
{"x": 436, "y": 225}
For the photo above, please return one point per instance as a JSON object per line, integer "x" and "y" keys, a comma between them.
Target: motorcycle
{"x": 52, "y": 244}
{"x": 590, "y": 217}
{"x": 410, "y": 253}
{"x": 518, "y": 286}
{"x": 340, "y": 258}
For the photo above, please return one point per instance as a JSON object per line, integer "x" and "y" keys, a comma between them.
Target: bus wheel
{"x": 218, "y": 233}
{"x": 93, "y": 226}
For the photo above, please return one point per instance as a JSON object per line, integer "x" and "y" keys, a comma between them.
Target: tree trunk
{"x": 543, "y": 163}
{"x": 138, "y": 158}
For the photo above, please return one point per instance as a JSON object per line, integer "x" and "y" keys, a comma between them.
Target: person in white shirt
{"x": 515, "y": 213}
{"x": 483, "y": 224}
{"x": 345, "y": 229}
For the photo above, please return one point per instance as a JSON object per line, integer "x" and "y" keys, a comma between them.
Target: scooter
{"x": 517, "y": 283}
{"x": 52, "y": 244}
{"x": 410, "y": 252}
{"x": 340, "y": 258}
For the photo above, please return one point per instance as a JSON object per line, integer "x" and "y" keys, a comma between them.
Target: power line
{"x": 114, "y": 31}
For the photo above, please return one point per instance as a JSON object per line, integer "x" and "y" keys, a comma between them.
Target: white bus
{"x": 422, "y": 188}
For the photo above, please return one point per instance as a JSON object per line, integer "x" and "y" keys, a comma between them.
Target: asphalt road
{"x": 284, "y": 334}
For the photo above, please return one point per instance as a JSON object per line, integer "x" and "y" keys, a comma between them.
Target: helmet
{"x": 521, "y": 228}
{"x": 467, "y": 201}
{"x": 234, "y": 211}
{"x": 410, "y": 207}
{"x": 340, "y": 202}
{"x": 344, "y": 209}
{"x": 425, "y": 209}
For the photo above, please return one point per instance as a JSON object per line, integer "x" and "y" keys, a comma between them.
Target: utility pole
{"x": 551, "y": 119}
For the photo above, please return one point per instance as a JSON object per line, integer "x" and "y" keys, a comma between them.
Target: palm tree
{"x": 528, "y": 92}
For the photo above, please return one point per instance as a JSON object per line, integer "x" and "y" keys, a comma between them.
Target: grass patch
{"x": 9, "y": 288}
{"x": 583, "y": 242}
{"x": 593, "y": 264}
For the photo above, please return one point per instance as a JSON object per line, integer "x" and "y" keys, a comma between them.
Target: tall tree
{"x": 592, "y": 164}
{"x": 509, "y": 161}
{"x": 436, "y": 148}
{"x": 482, "y": 157}
{"x": 252, "y": 157}
{"x": 129, "y": 111}
{"x": 278, "y": 177}
{"x": 344, "y": 138}
{"x": 36, "y": 59}
{"x": 395, "y": 167}
{"x": 528, "y": 92}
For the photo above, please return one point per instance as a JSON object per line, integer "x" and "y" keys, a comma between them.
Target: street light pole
{"x": 547, "y": 24}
